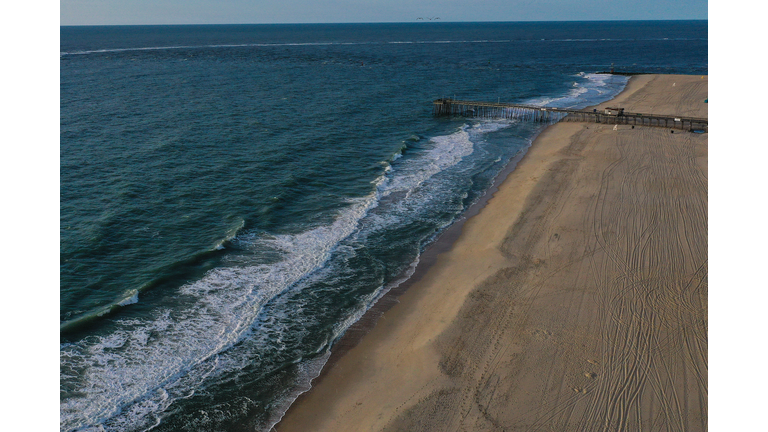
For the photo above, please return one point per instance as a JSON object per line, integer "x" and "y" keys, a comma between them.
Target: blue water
{"x": 234, "y": 197}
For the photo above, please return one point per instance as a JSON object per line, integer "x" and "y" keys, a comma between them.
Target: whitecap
{"x": 167, "y": 353}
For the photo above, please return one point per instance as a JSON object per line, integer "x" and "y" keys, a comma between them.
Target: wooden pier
{"x": 450, "y": 107}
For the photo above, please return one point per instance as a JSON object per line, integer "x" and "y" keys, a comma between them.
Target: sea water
{"x": 234, "y": 197}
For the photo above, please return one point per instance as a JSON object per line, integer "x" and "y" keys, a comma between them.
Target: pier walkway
{"x": 448, "y": 107}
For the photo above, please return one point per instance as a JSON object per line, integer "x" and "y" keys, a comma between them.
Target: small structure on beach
{"x": 614, "y": 111}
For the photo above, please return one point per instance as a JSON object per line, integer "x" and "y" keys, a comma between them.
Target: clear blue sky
{"x": 106, "y": 12}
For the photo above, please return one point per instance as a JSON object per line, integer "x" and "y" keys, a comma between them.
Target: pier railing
{"x": 449, "y": 107}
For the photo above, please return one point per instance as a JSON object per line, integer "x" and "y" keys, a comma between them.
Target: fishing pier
{"x": 452, "y": 107}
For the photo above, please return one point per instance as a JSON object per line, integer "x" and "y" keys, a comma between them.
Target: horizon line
{"x": 381, "y": 22}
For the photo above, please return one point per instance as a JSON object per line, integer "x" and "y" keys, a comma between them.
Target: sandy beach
{"x": 575, "y": 300}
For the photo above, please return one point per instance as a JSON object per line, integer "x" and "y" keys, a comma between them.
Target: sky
{"x": 131, "y": 12}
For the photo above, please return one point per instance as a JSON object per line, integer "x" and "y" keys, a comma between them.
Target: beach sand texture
{"x": 576, "y": 300}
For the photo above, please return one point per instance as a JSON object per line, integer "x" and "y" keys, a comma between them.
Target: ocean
{"x": 234, "y": 197}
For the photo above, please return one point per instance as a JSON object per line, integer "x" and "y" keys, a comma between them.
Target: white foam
{"x": 488, "y": 126}
{"x": 589, "y": 89}
{"x": 122, "y": 371}
{"x": 448, "y": 150}
{"x": 131, "y": 299}
{"x": 133, "y": 374}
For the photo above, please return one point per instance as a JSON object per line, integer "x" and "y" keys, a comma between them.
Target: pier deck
{"x": 448, "y": 107}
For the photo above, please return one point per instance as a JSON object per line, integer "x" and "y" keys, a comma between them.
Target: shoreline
{"x": 426, "y": 260}
{"x": 351, "y": 373}
{"x": 357, "y": 331}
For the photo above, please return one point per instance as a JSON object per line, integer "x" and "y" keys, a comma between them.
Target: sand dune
{"x": 576, "y": 300}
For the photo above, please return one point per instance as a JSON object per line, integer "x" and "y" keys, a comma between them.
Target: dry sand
{"x": 576, "y": 300}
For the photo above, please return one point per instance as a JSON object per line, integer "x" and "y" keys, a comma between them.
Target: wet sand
{"x": 575, "y": 300}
